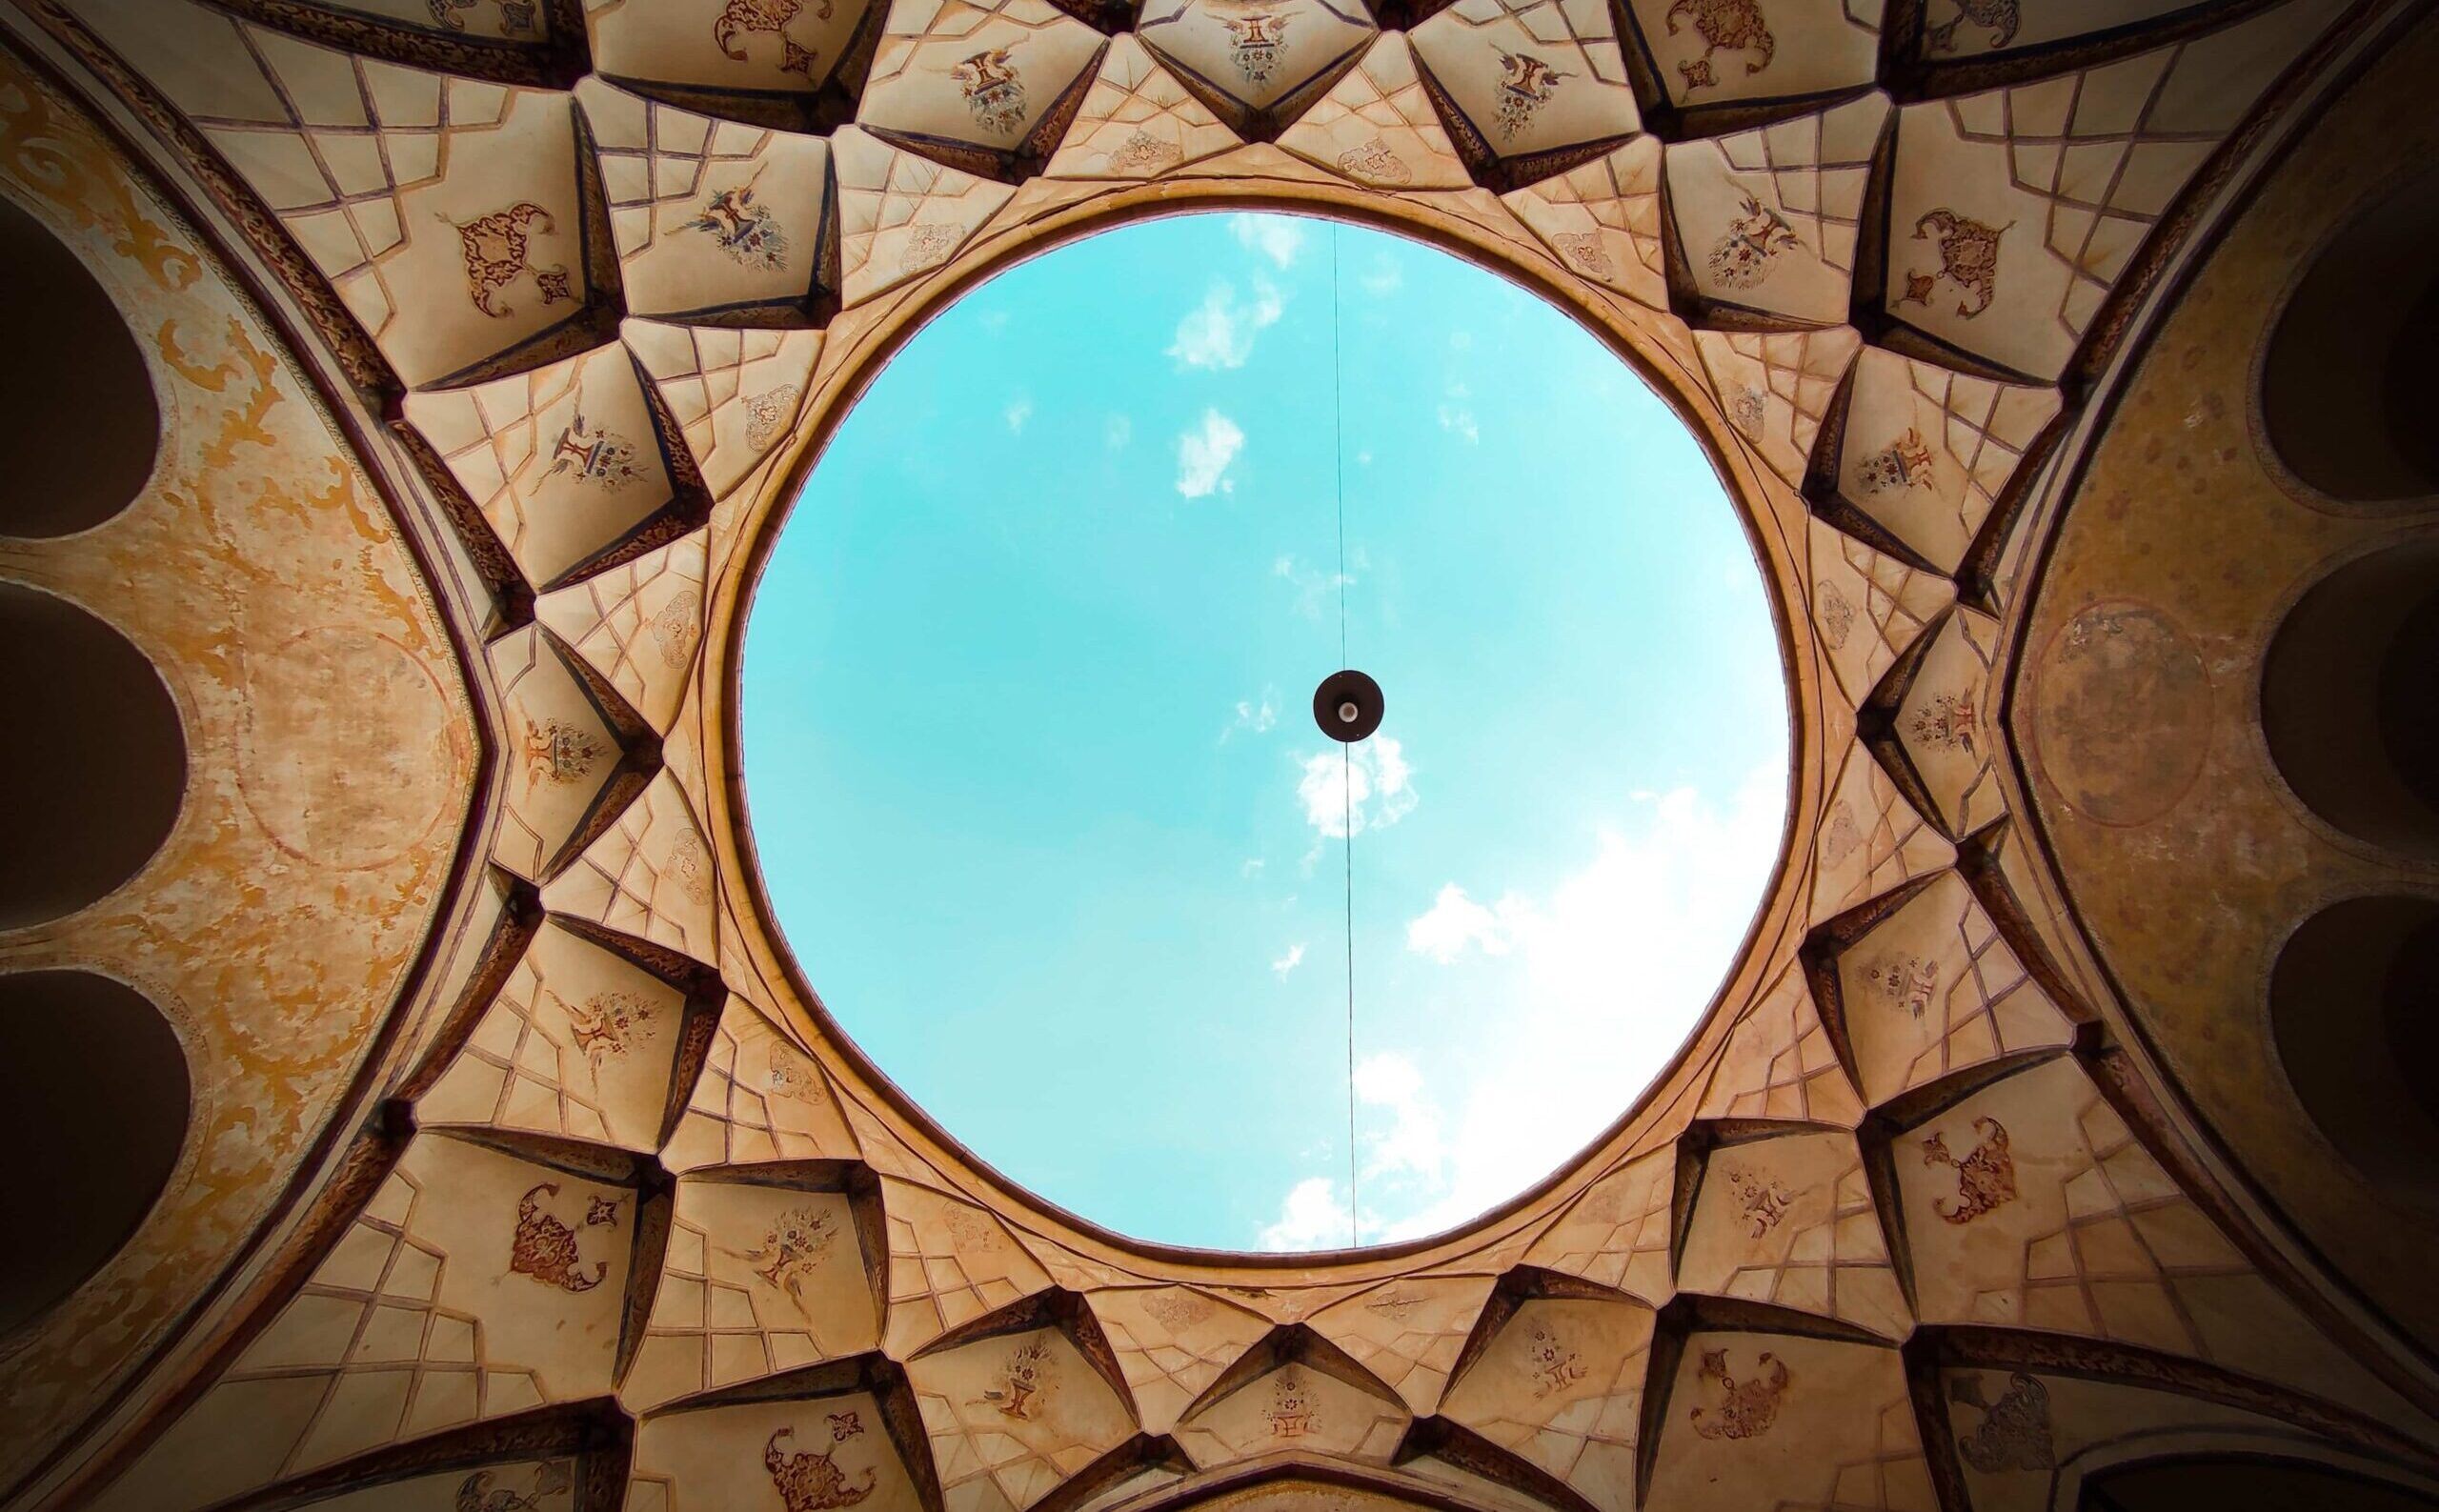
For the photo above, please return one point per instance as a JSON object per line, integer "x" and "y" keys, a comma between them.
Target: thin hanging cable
{"x": 1346, "y": 752}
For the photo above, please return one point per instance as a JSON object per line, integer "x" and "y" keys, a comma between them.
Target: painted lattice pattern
{"x": 1935, "y": 987}
{"x": 1531, "y": 76}
{"x": 1561, "y": 1386}
{"x": 1010, "y": 1417}
{"x": 949, "y": 1263}
{"x": 759, "y": 1099}
{"x": 1408, "y": 1333}
{"x": 1779, "y": 1063}
{"x": 734, "y": 393}
{"x": 1946, "y": 722}
{"x": 707, "y": 214}
{"x": 900, "y": 214}
{"x": 1602, "y": 220}
{"x": 580, "y": 1042}
{"x": 1769, "y": 217}
{"x": 1617, "y": 1233}
{"x": 1136, "y": 121}
{"x": 649, "y": 876}
{"x": 981, "y": 72}
{"x": 1926, "y": 451}
{"x": 1789, "y": 1220}
{"x": 1377, "y": 126}
{"x": 1872, "y": 841}
{"x": 562, "y": 752}
{"x": 1171, "y": 1342}
{"x": 1868, "y": 608}
{"x": 564, "y": 461}
{"x": 1775, "y": 387}
{"x": 637, "y": 625}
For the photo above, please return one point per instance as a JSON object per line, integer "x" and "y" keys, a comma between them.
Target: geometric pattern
{"x": 1789, "y": 1220}
{"x": 1617, "y": 1233}
{"x": 1824, "y": 1426}
{"x": 649, "y": 876}
{"x": 1934, "y": 988}
{"x": 836, "y": 1442}
{"x": 759, "y": 1099}
{"x": 1298, "y": 1406}
{"x": 1171, "y": 1342}
{"x": 1010, "y": 1417}
{"x": 734, "y": 393}
{"x": 1769, "y": 217}
{"x": 900, "y": 214}
{"x": 1603, "y": 219}
{"x": 566, "y": 753}
{"x": 1408, "y": 1333}
{"x": 637, "y": 625}
{"x": 1136, "y": 121}
{"x": 948, "y": 1263}
{"x": 1529, "y": 78}
{"x": 1561, "y": 1386}
{"x": 1943, "y": 721}
{"x": 1377, "y": 126}
{"x": 1779, "y": 1063}
{"x": 1775, "y": 388}
{"x": 1873, "y": 842}
{"x": 968, "y": 74}
{"x": 1811, "y": 50}
{"x": 1868, "y": 608}
{"x": 1249, "y": 66}
{"x": 1972, "y": 431}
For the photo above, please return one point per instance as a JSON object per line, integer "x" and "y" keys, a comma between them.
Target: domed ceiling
{"x": 489, "y": 339}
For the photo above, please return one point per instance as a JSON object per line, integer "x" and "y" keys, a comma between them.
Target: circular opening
{"x": 1047, "y": 821}
{"x": 2347, "y": 390}
{"x": 2350, "y": 697}
{"x": 2350, "y": 1006}
{"x": 79, "y": 427}
{"x": 84, "y": 1052}
{"x": 100, "y": 756}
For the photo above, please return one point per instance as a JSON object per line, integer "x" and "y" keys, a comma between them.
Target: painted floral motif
{"x": 1733, "y": 26}
{"x": 793, "y": 1076}
{"x": 811, "y": 1481}
{"x": 1754, "y": 239}
{"x": 608, "y": 1023}
{"x": 1392, "y": 1305}
{"x": 547, "y": 1249}
{"x": 1372, "y": 162}
{"x": 797, "y": 1242}
{"x": 927, "y": 244}
{"x": 1968, "y": 258}
{"x": 1254, "y": 38}
{"x": 674, "y": 628}
{"x": 1843, "y": 836}
{"x": 765, "y": 412}
{"x": 477, "y": 1494}
{"x": 1948, "y": 722}
{"x": 1906, "y": 982}
{"x": 1740, "y": 1409}
{"x": 1902, "y": 464}
{"x": 1837, "y": 613}
{"x": 1746, "y": 409}
{"x": 690, "y": 867}
{"x": 558, "y": 752}
{"x": 1142, "y": 152}
{"x": 594, "y": 457}
{"x": 2000, "y": 17}
{"x": 771, "y": 17}
{"x": 497, "y": 251}
{"x": 515, "y": 16}
{"x": 1554, "y": 1366}
{"x": 1290, "y": 1414}
{"x": 1986, "y": 1178}
{"x": 845, "y": 1425}
{"x": 1180, "y": 1310}
{"x": 1024, "y": 1380}
{"x": 1525, "y": 84}
{"x": 972, "y": 1231}
{"x": 1763, "y": 1199}
{"x": 992, "y": 89}
{"x": 1585, "y": 249}
{"x": 2014, "y": 1433}
{"x": 744, "y": 228}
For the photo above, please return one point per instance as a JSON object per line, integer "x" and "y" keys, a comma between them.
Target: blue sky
{"x": 1032, "y": 767}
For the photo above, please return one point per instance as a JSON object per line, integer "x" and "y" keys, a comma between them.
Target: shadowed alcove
{"x": 2349, "y": 1001}
{"x": 80, "y": 427}
{"x": 2245, "y": 1484}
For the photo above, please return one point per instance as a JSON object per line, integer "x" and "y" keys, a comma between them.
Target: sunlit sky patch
{"x": 1037, "y": 788}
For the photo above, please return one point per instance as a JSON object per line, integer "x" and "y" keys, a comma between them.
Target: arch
{"x": 90, "y": 1071}
{"x": 2350, "y": 697}
{"x": 2349, "y": 1001}
{"x": 98, "y": 770}
{"x": 2241, "y": 1483}
{"x": 80, "y": 426}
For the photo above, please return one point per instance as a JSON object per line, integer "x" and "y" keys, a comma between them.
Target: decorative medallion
{"x": 1984, "y": 1179}
{"x": 744, "y": 228}
{"x": 1525, "y": 84}
{"x": 1841, "y": 836}
{"x": 1142, "y": 152}
{"x": 927, "y": 244}
{"x": 1374, "y": 163}
{"x": 1837, "y": 613}
{"x": 1178, "y": 1311}
{"x": 1739, "y": 1409}
{"x": 691, "y": 867}
{"x": 495, "y": 249}
{"x": 771, "y": 17}
{"x": 811, "y": 1481}
{"x": 674, "y": 628}
{"x": 2014, "y": 1433}
{"x": 765, "y": 412}
{"x": 547, "y": 1249}
{"x": 1968, "y": 258}
{"x": 1585, "y": 249}
{"x": 1754, "y": 238}
{"x": 992, "y": 90}
{"x": 1732, "y": 26}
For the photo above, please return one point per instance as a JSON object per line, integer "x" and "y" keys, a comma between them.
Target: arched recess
{"x": 79, "y": 424}
{"x": 96, "y": 768}
{"x": 2349, "y": 1009}
{"x": 2350, "y": 697}
{"x": 2346, "y": 384}
{"x": 2239, "y": 1482}
{"x": 93, "y": 1077}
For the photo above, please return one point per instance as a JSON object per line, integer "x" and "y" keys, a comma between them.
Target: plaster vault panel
{"x": 602, "y": 1212}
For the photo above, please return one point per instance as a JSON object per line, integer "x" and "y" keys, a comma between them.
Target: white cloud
{"x": 1276, "y": 238}
{"x": 1457, "y": 413}
{"x": 1203, "y": 455}
{"x": 1315, "y": 589}
{"x": 1253, "y": 717}
{"x": 1252, "y": 867}
{"x": 1362, "y": 459}
{"x": 1413, "y": 1144}
{"x": 1288, "y": 962}
{"x": 1019, "y": 412}
{"x": 1219, "y": 333}
{"x": 1368, "y": 786}
{"x": 1116, "y": 432}
{"x": 1453, "y": 923}
{"x": 1384, "y": 278}
{"x": 1311, "y": 1218}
